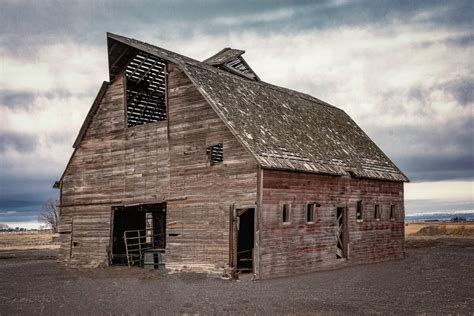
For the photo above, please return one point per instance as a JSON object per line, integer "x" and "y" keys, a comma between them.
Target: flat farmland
{"x": 27, "y": 241}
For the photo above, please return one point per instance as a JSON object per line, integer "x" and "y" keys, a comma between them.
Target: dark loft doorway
{"x": 245, "y": 240}
{"x": 147, "y": 221}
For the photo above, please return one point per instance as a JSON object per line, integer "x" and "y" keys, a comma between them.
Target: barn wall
{"x": 201, "y": 194}
{"x": 299, "y": 247}
{"x": 113, "y": 165}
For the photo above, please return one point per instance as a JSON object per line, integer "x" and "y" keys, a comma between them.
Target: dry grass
{"x": 465, "y": 229}
{"x": 25, "y": 241}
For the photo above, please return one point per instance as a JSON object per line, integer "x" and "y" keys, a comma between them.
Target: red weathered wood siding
{"x": 299, "y": 247}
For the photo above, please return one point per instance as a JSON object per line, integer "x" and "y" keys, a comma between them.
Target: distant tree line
{"x": 458, "y": 219}
{"x": 6, "y": 228}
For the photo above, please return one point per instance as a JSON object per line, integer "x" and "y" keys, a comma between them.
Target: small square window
{"x": 392, "y": 212}
{"x": 310, "y": 213}
{"x": 215, "y": 154}
{"x": 377, "y": 213}
{"x": 359, "y": 211}
{"x": 285, "y": 213}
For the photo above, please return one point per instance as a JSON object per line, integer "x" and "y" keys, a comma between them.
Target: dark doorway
{"x": 245, "y": 239}
{"x": 341, "y": 233}
{"x": 147, "y": 221}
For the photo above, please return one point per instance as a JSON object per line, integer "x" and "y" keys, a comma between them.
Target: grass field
{"x": 464, "y": 229}
{"x": 27, "y": 241}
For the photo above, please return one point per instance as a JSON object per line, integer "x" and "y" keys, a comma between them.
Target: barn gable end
{"x": 166, "y": 161}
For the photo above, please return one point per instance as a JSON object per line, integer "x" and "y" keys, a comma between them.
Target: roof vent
{"x": 232, "y": 61}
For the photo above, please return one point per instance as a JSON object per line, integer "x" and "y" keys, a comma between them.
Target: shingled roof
{"x": 282, "y": 129}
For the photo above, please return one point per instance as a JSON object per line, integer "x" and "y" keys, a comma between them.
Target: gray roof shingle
{"x": 282, "y": 128}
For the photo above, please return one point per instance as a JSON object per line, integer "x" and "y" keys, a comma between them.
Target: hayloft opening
{"x": 145, "y": 89}
{"x": 138, "y": 232}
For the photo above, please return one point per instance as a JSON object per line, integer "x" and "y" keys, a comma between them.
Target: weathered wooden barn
{"x": 217, "y": 170}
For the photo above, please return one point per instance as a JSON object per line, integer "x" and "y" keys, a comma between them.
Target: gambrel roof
{"x": 281, "y": 128}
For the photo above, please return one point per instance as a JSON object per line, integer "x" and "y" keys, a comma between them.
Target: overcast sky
{"x": 404, "y": 70}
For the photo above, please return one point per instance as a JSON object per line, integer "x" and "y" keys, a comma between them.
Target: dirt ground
{"x": 436, "y": 277}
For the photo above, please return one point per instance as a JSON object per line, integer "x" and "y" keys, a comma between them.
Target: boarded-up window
{"x": 285, "y": 213}
{"x": 359, "y": 211}
{"x": 310, "y": 213}
{"x": 377, "y": 212}
{"x": 215, "y": 154}
{"x": 392, "y": 212}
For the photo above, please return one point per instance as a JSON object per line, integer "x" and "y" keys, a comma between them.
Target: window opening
{"x": 310, "y": 213}
{"x": 215, "y": 154}
{"x": 359, "y": 211}
{"x": 285, "y": 213}
{"x": 377, "y": 212}
{"x": 392, "y": 212}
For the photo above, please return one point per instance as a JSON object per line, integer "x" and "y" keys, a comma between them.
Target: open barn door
{"x": 243, "y": 240}
{"x": 136, "y": 229}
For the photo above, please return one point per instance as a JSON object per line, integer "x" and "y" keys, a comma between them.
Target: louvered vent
{"x": 215, "y": 154}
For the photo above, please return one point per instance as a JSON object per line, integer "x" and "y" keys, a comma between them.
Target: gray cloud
{"x": 432, "y": 168}
{"x": 462, "y": 90}
{"x": 15, "y": 99}
{"x": 31, "y": 188}
{"x": 21, "y": 197}
{"x": 438, "y": 205}
{"x": 430, "y": 153}
{"x": 62, "y": 138}
{"x": 461, "y": 41}
{"x": 20, "y": 142}
{"x": 28, "y": 24}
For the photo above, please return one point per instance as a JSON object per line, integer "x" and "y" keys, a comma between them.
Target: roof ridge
{"x": 326, "y": 132}
{"x": 288, "y": 91}
{"x": 217, "y": 54}
{"x": 154, "y": 47}
{"x": 209, "y": 67}
{"x": 300, "y": 94}
{"x": 235, "y": 53}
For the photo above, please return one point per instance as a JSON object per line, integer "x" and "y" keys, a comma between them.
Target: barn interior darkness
{"x": 245, "y": 241}
{"x": 149, "y": 220}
